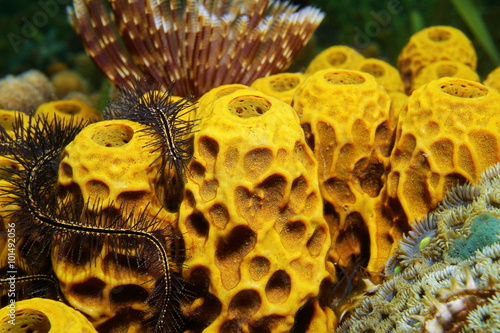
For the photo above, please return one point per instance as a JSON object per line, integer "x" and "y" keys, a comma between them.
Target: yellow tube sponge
{"x": 281, "y": 86}
{"x": 252, "y": 217}
{"x": 337, "y": 56}
{"x": 110, "y": 292}
{"x": 216, "y": 93}
{"x": 345, "y": 117}
{"x": 444, "y": 68}
{"x": 8, "y": 119}
{"x": 112, "y": 172}
{"x": 107, "y": 163}
{"x": 43, "y": 316}
{"x": 493, "y": 79}
{"x": 447, "y": 135}
{"x": 433, "y": 44}
{"x": 67, "y": 81}
{"x": 7, "y": 223}
{"x": 67, "y": 109}
{"x": 385, "y": 74}
{"x": 398, "y": 100}
{"x": 323, "y": 319}
{"x": 13, "y": 247}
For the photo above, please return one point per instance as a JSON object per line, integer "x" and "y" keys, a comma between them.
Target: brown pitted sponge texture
{"x": 493, "y": 79}
{"x": 67, "y": 109}
{"x": 252, "y": 216}
{"x": 444, "y": 68}
{"x": 281, "y": 86}
{"x": 337, "y": 56}
{"x": 110, "y": 287}
{"x": 385, "y": 74}
{"x": 433, "y": 44}
{"x": 108, "y": 163}
{"x": 345, "y": 117}
{"x": 43, "y": 316}
{"x": 447, "y": 134}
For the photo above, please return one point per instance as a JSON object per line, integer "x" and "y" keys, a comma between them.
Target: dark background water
{"x": 36, "y": 34}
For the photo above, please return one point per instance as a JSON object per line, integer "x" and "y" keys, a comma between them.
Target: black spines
{"x": 35, "y": 150}
{"x": 166, "y": 118}
{"x": 30, "y": 286}
{"x": 73, "y": 228}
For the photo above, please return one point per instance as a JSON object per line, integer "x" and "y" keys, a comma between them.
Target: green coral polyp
{"x": 424, "y": 242}
{"x": 444, "y": 274}
{"x": 484, "y": 231}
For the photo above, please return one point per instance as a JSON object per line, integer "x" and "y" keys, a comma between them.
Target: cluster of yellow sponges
{"x": 391, "y": 141}
{"x": 384, "y": 159}
{"x": 291, "y": 177}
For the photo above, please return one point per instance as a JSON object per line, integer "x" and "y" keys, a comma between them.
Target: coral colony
{"x": 217, "y": 193}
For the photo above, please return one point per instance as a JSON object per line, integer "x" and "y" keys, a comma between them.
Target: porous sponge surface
{"x": 444, "y": 68}
{"x": 345, "y": 116}
{"x": 252, "y": 215}
{"x": 447, "y": 134}
{"x": 214, "y": 94}
{"x": 493, "y": 79}
{"x": 398, "y": 100}
{"x": 106, "y": 289}
{"x": 281, "y": 86}
{"x": 108, "y": 163}
{"x": 385, "y": 74}
{"x": 109, "y": 166}
{"x": 337, "y": 56}
{"x": 44, "y": 316}
{"x": 433, "y": 44}
{"x": 67, "y": 109}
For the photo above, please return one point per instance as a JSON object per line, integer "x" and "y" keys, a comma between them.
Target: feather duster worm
{"x": 199, "y": 44}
